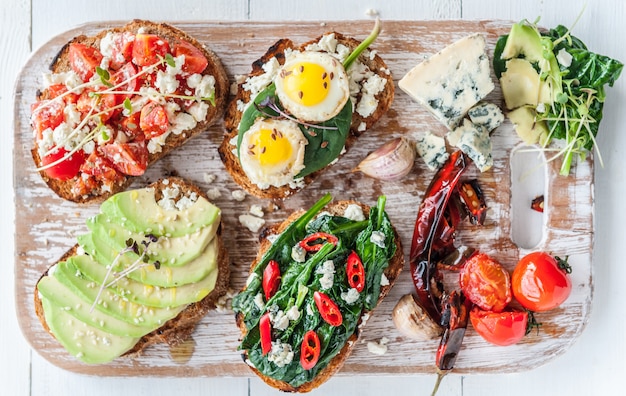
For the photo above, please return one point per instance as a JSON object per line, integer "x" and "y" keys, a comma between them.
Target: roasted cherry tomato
{"x": 148, "y": 48}
{"x": 541, "y": 282}
{"x": 500, "y": 328}
{"x": 310, "y": 350}
{"x": 314, "y": 242}
{"x": 265, "y": 331}
{"x": 486, "y": 283}
{"x": 355, "y": 272}
{"x": 195, "y": 61}
{"x": 128, "y": 158}
{"x": 47, "y": 114}
{"x": 65, "y": 169}
{"x": 271, "y": 279}
{"x": 328, "y": 309}
{"x": 153, "y": 120}
{"x": 121, "y": 49}
{"x": 84, "y": 60}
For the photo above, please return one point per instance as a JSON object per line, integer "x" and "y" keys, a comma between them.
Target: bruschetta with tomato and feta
{"x": 114, "y": 103}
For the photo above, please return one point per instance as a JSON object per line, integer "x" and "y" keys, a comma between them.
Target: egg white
{"x": 330, "y": 73}
{"x": 285, "y": 134}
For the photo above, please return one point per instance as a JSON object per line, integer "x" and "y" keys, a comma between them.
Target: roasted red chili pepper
{"x": 310, "y": 350}
{"x": 355, "y": 272}
{"x": 271, "y": 279}
{"x": 265, "y": 331}
{"x": 537, "y": 204}
{"x": 314, "y": 242}
{"x": 328, "y": 309}
{"x": 423, "y": 257}
{"x": 474, "y": 200}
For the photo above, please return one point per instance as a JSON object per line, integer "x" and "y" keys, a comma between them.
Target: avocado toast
{"x": 316, "y": 279}
{"x": 151, "y": 266}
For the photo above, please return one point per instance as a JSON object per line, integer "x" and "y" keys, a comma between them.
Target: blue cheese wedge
{"x": 474, "y": 141}
{"x": 487, "y": 115}
{"x": 452, "y": 81}
{"x": 432, "y": 149}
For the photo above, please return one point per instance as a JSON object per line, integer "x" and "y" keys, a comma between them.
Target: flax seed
{"x": 324, "y": 144}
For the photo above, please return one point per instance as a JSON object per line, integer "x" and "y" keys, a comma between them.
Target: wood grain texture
{"x": 48, "y": 226}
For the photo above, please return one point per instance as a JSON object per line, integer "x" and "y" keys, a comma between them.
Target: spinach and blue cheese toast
{"x": 316, "y": 279}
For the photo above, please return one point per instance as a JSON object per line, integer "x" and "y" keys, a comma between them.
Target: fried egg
{"x": 272, "y": 152}
{"x": 312, "y": 86}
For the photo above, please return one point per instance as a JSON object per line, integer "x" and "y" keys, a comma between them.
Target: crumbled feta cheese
{"x": 252, "y": 223}
{"x": 256, "y": 84}
{"x": 327, "y": 43}
{"x": 199, "y": 110}
{"x": 238, "y": 195}
{"x": 293, "y": 313}
{"x": 182, "y": 122}
{"x": 257, "y": 210}
{"x": 71, "y": 115}
{"x": 354, "y": 212}
{"x": 70, "y": 79}
{"x": 166, "y": 83}
{"x": 209, "y": 178}
{"x": 384, "y": 281}
{"x": 351, "y": 296}
{"x": 328, "y": 274}
{"x": 298, "y": 254}
{"x": 213, "y": 193}
{"x": 368, "y": 103}
{"x": 205, "y": 88}
{"x": 362, "y": 126}
{"x": 378, "y": 348}
{"x": 186, "y": 202}
{"x": 259, "y": 301}
{"x": 279, "y": 320}
{"x": 378, "y": 239}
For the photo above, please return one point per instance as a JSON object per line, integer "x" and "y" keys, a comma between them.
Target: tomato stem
{"x": 532, "y": 322}
{"x": 563, "y": 264}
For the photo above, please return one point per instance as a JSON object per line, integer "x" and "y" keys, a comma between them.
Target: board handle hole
{"x": 528, "y": 181}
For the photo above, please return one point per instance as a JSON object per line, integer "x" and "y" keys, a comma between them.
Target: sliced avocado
{"x": 520, "y": 84}
{"x": 140, "y": 293}
{"x": 112, "y": 304}
{"x": 165, "y": 276}
{"x": 173, "y": 251}
{"x": 64, "y": 298}
{"x": 527, "y": 128}
{"x": 138, "y": 211}
{"x": 524, "y": 40}
{"x": 87, "y": 343}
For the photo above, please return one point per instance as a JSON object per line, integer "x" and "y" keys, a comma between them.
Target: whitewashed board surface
{"x": 46, "y": 226}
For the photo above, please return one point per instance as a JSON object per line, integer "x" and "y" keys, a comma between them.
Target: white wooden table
{"x": 595, "y": 364}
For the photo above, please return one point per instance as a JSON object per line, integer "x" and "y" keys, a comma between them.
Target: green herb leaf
{"x": 104, "y": 76}
{"x": 128, "y": 105}
{"x": 169, "y": 59}
{"x": 361, "y": 47}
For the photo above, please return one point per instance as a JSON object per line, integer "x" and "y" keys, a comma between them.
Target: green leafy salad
{"x": 306, "y": 295}
{"x": 554, "y": 86}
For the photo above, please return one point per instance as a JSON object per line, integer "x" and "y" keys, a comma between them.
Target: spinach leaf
{"x": 499, "y": 64}
{"x": 251, "y": 113}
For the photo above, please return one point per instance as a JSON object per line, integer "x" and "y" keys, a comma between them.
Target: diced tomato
{"x": 147, "y": 48}
{"x": 127, "y": 75}
{"x": 65, "y": 169}
{"x": 128, "y": 158}
{"x": 101, "y": 169}
{"x": 153, "y": 120}
{"x": 84, "y": 185}
{"x": 130, "y": 125}
{"x": 100, "y": 104}
{"x": 195, "y": 61}
{"x": 84, "y": 60}
{"x": 184, "y": 90}
{"x": 56, "y": 90}
{"x": 121, "y": 49}
{"x": 47, "y": 114}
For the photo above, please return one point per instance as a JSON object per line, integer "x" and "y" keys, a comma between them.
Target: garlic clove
{"x": 392, "y": 161}
{"x": 413, "y": 321}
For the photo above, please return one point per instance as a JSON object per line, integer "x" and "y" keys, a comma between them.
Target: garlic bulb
{"x": 413, "y": 321}
{"x": 392, "y": 161}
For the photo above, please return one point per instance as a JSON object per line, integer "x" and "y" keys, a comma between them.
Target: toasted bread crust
{"x": 393, "y": 270}
{"x": 61, "y": 63}
{"x": 233, "y": 116}
{"x": 181, "y": 327}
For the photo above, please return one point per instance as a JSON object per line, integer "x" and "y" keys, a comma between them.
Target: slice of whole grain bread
{"x": 358, "y": 125}
{"x": 61, "y": 63}
{"x": 392, "y": 272}
{"x": 179, "y": 328}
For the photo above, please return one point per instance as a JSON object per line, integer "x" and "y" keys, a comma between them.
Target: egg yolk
{"x": 270, "y": 147}
{"x": 306, "y": 83}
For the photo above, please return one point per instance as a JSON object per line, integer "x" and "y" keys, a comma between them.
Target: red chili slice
{"x": 307, "y": 245}
{"x": 265, "y": 330}
{"x": 310, "y": 350}
{"x": 328, "y": 309}
{"x": 355, "y": 272}
{"x": 271, "y": 279}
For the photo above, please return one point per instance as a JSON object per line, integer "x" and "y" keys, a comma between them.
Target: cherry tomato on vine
{"x": 271, "y": 279}
{"x": 355, "y": 272}
{"x": 328, "y": 309}
{"x": 500, "y": 328}
{"x": 265, "y": 331}
{"x": 310, "y": 350}
{"x": 541, "y": 282}
{"x": 486, "y": 283}
{"x": 314, "y": 242}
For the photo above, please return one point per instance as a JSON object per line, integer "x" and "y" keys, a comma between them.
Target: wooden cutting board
{"x": 46, "y": 226}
